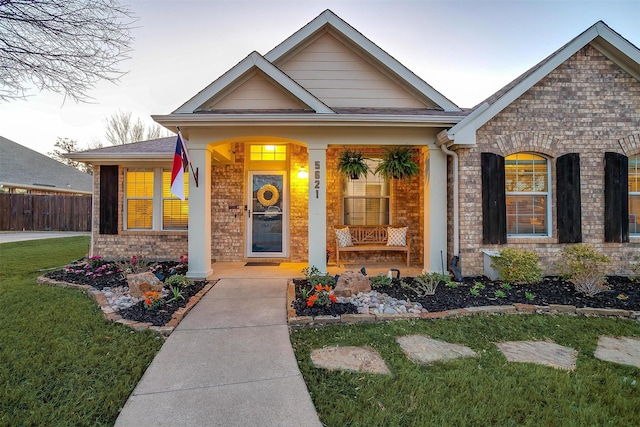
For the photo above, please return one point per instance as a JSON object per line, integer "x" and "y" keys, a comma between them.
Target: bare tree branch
{"x": 63, "y": 46}
{"x": 121, "y": 129}
{"x": 66, "y": 146}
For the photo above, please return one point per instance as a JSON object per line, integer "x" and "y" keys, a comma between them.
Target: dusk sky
{"x": 466, "y": 50}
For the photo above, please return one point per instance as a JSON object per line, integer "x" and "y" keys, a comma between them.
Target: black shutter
{"x": 568, "y": 198}
{"x": 108, "y": 199}
{"x": 616, "y": 198}
{"x": 494, "y": 208}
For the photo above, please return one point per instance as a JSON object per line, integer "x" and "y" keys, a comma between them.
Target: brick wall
{"x": 588, "y": 105}
{"x": 151, "y": 244}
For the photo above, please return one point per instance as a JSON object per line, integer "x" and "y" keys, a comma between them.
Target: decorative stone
{"x": 623, "y": 350}
{"x": 351, "y": 283}
{"x": 362, "y": 359}
{"x": 425, "y": 350}
{"x": 143, "y": 282}
{"x": 540, "y": 352}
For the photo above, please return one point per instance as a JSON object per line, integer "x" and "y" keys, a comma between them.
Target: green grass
{"x": 482, "y": 391}
{"x": 61, "y": 362}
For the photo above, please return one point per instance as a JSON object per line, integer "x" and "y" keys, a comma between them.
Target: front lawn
{"x": 481, "y": 391}
{"x": 61, "y": 361}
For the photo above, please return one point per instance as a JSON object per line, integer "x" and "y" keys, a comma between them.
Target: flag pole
{"x": 194, "y": 172}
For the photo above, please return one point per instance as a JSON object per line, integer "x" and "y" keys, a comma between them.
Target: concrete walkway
{"x": 228, "y": 363}
{"x": 19, "y": 236}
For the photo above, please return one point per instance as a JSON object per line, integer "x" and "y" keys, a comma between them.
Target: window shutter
{"x": 568, "y": 198}
{"x": 616, "y": 198}
{"x": 494, "y": 209}
{"x": 108, "y": 199}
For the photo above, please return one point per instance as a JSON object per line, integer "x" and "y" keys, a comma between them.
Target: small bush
{"x": 178, "y": 281}
{"x": 517, "y": 266}
{"x": 584, "y": 266}
{"x": 314, "y": 277}
{"x": 426, "y": 283}
{"x": 380, "y": 281}
{"x": 635, "y": 268}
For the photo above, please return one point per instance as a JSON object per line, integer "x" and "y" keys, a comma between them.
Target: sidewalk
{"x": 228, "y": 363}
{"x": 19, "y": 236}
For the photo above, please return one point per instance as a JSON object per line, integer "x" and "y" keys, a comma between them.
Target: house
{"x": 23, "y": 170}
{"x": 549, "y": 160}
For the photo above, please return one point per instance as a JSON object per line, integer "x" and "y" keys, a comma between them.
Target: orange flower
{"x": 333, "y": 298}
{"x": 318, "y": 288}
{"x": 311, "y": 300}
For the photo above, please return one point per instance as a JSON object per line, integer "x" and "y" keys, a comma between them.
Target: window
{"x": 149, "y": 204}
{"x": 634, "y": 195}
{"x": 268, "y": 152}
{"x": 527, "y": 194}
{"x": 139, "y": 199}
{"x": 366, "y": 201}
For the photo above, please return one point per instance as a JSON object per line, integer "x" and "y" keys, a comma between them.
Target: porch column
{"x": 318, "y": 207}
{"x": 200, "y": 214}
{"x": 435, "y": 211}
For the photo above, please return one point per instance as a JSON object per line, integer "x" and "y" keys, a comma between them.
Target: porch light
{"x": 303, "y": 173}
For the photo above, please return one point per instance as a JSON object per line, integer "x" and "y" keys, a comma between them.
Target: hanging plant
{"x": 352, "y": 164}
{"x": 399, "y": 163}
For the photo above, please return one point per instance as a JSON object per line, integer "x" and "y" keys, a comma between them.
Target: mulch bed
{"x": 137, "y": 312}
{"x": 551, "y": 290}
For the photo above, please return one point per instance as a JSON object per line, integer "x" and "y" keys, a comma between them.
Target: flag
{"x": 180, "y": 164}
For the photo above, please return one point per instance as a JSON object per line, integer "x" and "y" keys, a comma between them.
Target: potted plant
{"x": 352, "y": 164}
{"x": 399, "y": 163}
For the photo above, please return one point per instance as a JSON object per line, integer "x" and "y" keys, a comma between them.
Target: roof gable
{"x": 240, "y": 74}
{"x": 328, "y": 21}
{"x": 611, "y": 44}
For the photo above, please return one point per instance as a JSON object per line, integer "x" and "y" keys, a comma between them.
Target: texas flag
{"x": 180, "y": 164}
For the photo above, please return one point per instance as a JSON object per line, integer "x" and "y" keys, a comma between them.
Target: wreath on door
{"x": 268, "y": 195}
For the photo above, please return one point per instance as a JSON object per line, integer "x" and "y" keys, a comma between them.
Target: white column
{"x": 200, "y": 214}
{"x": 435, "y": 211}
{"x": 318, "y": 207}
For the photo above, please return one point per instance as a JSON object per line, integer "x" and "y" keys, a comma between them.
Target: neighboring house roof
{"x": 289, "y": 94}
{"x": 161, "y": 149}
{"x": 611, "y": 44}
{"x": 22, "y": 167}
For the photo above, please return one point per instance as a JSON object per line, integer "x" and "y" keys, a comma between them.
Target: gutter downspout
{"x": 455, "y": 261}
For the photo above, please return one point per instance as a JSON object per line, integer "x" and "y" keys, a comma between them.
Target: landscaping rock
{"x": 624, "y": 350}
{"x": 351, "y": 283}
{"x": 363, "y": 359}
{"x": 540, "y": 352}
{"x": 143, "y": 282}
{"x": 425, "y": 350}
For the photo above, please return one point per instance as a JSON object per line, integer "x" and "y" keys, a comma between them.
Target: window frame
{"x": 157, "y": 200}
{"x": 373, "y": 162}
{"x": 548, "y": 195}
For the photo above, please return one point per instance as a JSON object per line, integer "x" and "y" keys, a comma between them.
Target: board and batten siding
{"x": 257, "y": 93}
{"x": 339, "y": 77}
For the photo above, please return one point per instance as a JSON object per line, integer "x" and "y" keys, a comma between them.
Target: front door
{"x": 266, "y": 225}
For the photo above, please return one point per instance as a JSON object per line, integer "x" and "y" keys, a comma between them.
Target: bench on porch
{"x": 361, "y": 238}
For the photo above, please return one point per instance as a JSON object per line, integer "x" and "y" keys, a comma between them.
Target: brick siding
{"x": 588, "y": 105}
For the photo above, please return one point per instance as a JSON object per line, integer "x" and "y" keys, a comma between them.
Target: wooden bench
{"x": 371, "y": 238}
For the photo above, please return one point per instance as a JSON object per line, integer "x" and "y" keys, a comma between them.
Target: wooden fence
{"x": 37, "y": 212}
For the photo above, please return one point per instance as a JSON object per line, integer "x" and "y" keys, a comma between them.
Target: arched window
{"x": 634, "y": 195}
{"x": 527, "y": 191}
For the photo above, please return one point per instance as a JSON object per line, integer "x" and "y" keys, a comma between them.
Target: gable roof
{"x": 438, "y": 109}
{"x": 608, "y": 42}
{"x": 25, "y": 168}
{"x": 161, "y": 149}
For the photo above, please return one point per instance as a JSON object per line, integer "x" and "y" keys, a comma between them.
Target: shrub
{"x": 635, "y": 268}
{"x": 152, "y": 300}
{"x": 314, "y": 277}
{"x": 517, "y": 266}
{"x": 178, "y": 281}
{"x": 583, "y": 266}
{"x": 426, "y": 283}
{"x": 322, "y": 297}
{"x": 380, "y": 281}
{"x": 137, "y": 264}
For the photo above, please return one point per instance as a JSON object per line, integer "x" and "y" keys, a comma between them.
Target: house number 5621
{"x": 316, "y": 180}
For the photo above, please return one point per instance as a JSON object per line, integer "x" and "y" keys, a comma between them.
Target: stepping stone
{"x": 540, "y": 352}
{"x": 426, "y": 350}
{"x": 623, "y": 350}
{"x": 361, "y": 359}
